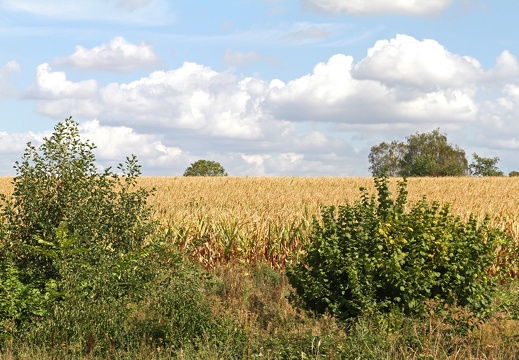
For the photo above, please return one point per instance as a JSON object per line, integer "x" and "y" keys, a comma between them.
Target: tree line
{"x": 428, "y": 154}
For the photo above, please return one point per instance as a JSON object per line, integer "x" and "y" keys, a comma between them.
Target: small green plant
{"x": 376, "y": 256}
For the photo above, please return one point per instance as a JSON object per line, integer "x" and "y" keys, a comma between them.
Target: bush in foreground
{"x": 82, "y": 269}
{"x": 377, "y": 256}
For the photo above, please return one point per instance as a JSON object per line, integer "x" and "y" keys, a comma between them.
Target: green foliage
{"x": 375, "y": 256}
{"x": 58, "y": 191}
{"x": 426, "y": 154}
{"x": 482, "y": 166}
{"x": 513, "y": 173}
{"x": 125, "y": 303}
{"x": 80, "y": 270}
{"x": 59, "y": 182}
{"x": 205, "y": 168}
{"x": 387, "y": 158}
{"x": 19, "y": 302}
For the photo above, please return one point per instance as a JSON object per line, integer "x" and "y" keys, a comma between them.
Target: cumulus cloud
{"x": 401, "y": 80}
{"x": 55, "y": 85}
{"x": 59, "y": 97}
{"x": 118, "y": 55}
{"x": 275, "y": 164}
{"x": 274, "y": 127}
{"x": 506, "y": 68}
{"x": 192, "y": 97}
{"x": 373, "y": 7}
{"x": 406, "y": 61}
{"x": 499, "y": 116}
{"x": 12, "y": 146}
{"x": 15, "y": 143}
{"x": 332, "y": 94}
{"x": 114, "y": 143}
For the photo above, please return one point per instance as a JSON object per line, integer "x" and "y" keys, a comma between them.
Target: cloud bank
{"x": 321, "y": 123}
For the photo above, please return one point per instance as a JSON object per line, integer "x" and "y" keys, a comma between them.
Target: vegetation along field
{"x": 267, "y": 218}
{"x": 250, "y": 219}
{"x": 98, "y": 265}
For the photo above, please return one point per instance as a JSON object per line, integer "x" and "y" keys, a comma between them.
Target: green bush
{"x": 59, "y": 182}
{"x": 376, "y": 256}
{"x": 59, "y": 189}
{"x": 82, "y": 266}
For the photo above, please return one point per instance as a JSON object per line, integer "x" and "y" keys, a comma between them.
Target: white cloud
{"x": 118, "y": 55}
{"x": 115, "y": 143}
{"x": 309, "y": 125}
{"x": 371, "y": 7}
{"x": 6, "y": 87}
{"x": 54, "y": 85}
{"x": 401, "y": 80}
{"x": 274, "y": 164}
{"x": 15, "y": 143}
{"x": 59, "y": 97}
{"x": 332, "y": 94}
{"x": 506, "y": 68}
{"x": 191, "y": 97}
{"x": 406, "y": 61}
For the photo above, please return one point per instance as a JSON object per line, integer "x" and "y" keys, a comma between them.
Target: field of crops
{"x": 266, "y": 219}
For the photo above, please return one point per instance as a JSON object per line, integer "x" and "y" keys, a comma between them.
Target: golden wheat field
{"x": 251, "y": 219}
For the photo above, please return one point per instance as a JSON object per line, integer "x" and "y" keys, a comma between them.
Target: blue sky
{"x": 265, "y": 87}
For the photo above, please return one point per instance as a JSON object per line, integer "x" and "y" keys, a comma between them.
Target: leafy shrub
{"x": 59, "y": 182}
{"x": 376, "y": 256}
{"x": 59, "y": 191}
{"x": 127, "y": 303}
{"x": 83, "y": 269}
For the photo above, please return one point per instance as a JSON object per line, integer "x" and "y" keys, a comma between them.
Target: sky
{"x": 264, "y": 87}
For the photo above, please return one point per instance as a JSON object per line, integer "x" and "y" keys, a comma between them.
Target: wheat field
{"x": 251, "y": 219}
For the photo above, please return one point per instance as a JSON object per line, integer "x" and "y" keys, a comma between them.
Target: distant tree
{"x": 387, "y": 158}
{"x": 482, "y": 166}
{"x": 513, "y": 173}
{"x": 426, "y": 154}
{"x": 429, "y": 154}
{"x": 205, "y": 168}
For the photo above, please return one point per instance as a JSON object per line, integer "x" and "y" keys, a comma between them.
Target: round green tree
{"x": 205, "y": 168}
{"x": 425, "y": 154}
{"x": 482, "y": 166}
